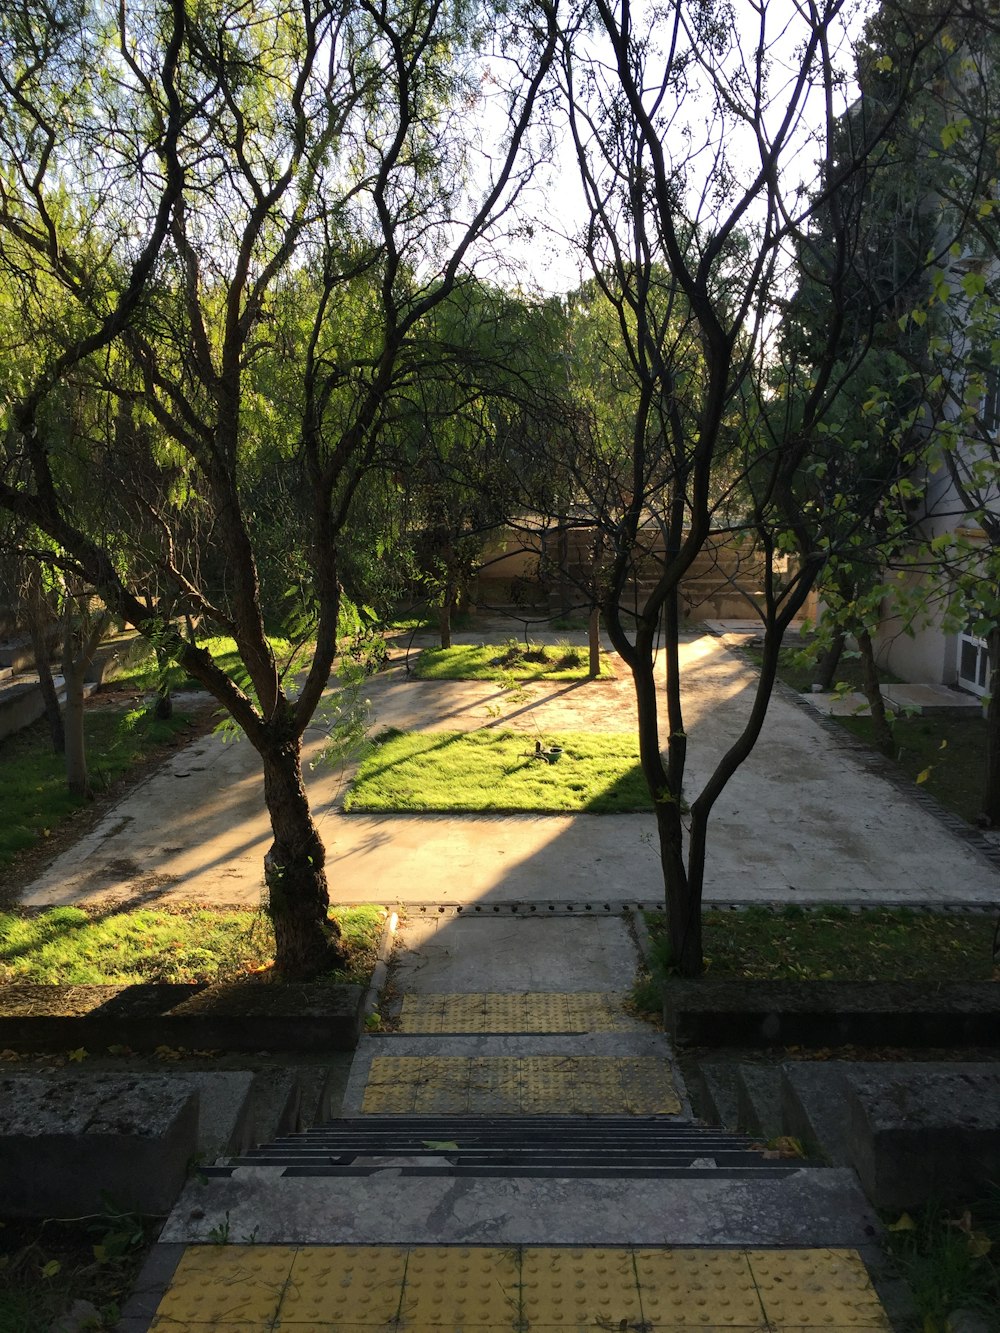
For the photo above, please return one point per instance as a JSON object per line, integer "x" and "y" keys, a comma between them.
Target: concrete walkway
{"x": 805, "y": 820}
{"x": 520, "y": 1155}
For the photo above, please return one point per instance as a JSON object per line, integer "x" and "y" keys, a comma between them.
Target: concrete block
{"x": 716, "y": 1085}
{"x": 710, "y": 1012}
{"x": 758, "y": 1100}
{"x": 64, "y": 1141}
{"x": 814, "y": 1107}
{"x": 917, "y": 1133}
{"x": 227, "y": 1113}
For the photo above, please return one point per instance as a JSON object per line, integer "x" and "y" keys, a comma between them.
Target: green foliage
{"x": 496, "y": 772}
{"x": 950, "y": 1259}
{"x": 72, "y": 946}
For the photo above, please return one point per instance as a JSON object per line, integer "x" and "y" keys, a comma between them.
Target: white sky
{"x": 549, "y": 261}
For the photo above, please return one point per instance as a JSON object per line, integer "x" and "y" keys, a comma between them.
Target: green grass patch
{"x": 71, "y": 946}
{"x": 946, "y": 754}
{"x": 144, "y": 674}
{"x": 493, "y": 772}
{"x": 511, "y": 661}
{"x": 834, "y": 944}
{"x": 33, "y": 794}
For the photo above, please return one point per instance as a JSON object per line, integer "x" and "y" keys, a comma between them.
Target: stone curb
{"x": 381, "y": 969}
{"x": 831, "y": 1013}
{"x": 231, "y": 1017}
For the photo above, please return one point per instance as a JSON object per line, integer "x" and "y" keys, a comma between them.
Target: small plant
{"x": 219, "y": 1234}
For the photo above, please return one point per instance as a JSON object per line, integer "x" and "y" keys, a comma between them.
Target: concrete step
{"x": 758, "y": 1100}
{"x": 716, "y": 1092}
{"x": 814, "y": 1108}
{"x": 807, "y": 1206}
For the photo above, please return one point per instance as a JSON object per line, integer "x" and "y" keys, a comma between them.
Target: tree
{"x": 692, "y": 135}
{"x": 205, "y": 204}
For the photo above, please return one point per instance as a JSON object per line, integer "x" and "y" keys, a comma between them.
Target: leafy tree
{"x": 204, "y": 203}
{"x": 692, "y": 135}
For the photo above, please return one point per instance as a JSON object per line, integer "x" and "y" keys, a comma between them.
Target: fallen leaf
{"x": 51, "y": 1268}
{"x": 440, "y": 1145}
{"x": 79, "y": 1055}
{"x": 904, "y": 1223}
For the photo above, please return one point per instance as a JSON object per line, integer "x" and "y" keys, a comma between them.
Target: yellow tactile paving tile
{"x": 218, "y": 1286}
{"x": 525, "y": 1085}
{"x": 532, "y": 1012}
{"x": 460, "y": 1288}
{"x": 331, "y": 1285}
{"x": 472, "y": 1289}
{"x": 697, "y": 1289}
{"x": 816, "y": 1289}
{"x": 579, "y": 1289}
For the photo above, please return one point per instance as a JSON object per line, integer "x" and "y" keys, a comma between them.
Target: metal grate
{"x": 549, "y": 1146}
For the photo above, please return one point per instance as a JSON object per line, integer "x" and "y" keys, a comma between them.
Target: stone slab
{"x": 917, "y": 1134}
{"x": 65, "y": 1141}
{"x": 806, "y": 1207}
{"x": 814, "y": 1107}
{"x": 229, "y": 1016}
{"x": 832, "y": 1013}
{"x": 758, "y": 1100}
{"x": 440, "y": 953}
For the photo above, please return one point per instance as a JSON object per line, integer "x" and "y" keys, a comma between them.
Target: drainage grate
{"x": 546, "y": 1146}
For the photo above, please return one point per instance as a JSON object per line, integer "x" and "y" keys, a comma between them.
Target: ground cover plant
{"x": 512, "y": 660}
{"x": 46, "y": 1266}
{"x": 950, "y": 1259}
{"x": 34, "y": 797}
{"x": 497, "y": 772}
{"x": 75, "y": 946}
{"x": 835, "y": 944}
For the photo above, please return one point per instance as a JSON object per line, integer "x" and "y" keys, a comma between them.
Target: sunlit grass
{"x": 486, "y": 772}
{"x": 144, "y": 674}
{"x": 70, "y": 946}
{"x": 512, "y": 660}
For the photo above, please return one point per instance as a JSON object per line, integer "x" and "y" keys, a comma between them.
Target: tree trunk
{"x": 53, "y": 713}
{"x": 38, "y": 622}
{"x": 880, "y": 722}
{"x": 683, "y": 909}
{"x": 298, "y": 900}
{"x": 444, "y": 616}
{"x": 829, "y": 662}
{"x": 594, "y": 642}
{"x": 991, "y": 784}
{"x": 75, "y": 663}
{"x": 683, "y": 906}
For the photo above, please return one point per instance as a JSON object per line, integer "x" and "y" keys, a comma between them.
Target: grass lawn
{"x": 493, "y": 772}
{"x": 144, "y": 674}
{"x": 70, "y": 946}
{"x": 511, "y": 660}
{"x": 833, "y": 944}
{"x": 33, "y": 794}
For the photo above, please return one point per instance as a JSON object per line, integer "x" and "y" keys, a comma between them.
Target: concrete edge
{"x": 154, "y": 1277}
{"x": 381, "y": 970}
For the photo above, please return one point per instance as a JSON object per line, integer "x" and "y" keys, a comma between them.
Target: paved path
{"x": 805, "y": 820}
{"x": 519, "y": 1156}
